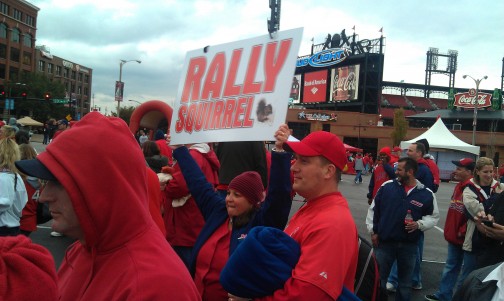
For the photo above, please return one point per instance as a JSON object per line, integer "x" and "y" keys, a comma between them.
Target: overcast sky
{"x": 99, "y": 33}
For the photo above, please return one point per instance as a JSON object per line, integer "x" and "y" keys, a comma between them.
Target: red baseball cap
{"x": 321, "y": 143}
{"x": 465, "y": 162}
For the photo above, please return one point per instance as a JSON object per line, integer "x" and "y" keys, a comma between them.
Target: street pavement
{"x": 435, "y": 248}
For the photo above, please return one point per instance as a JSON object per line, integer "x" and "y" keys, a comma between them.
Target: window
{"x": 15, "y": 35}
{"x": 86, "y": 79}
{"x": 30, "y": 20}
{"x": 73, "y": 74}
{"x": 4, "y": 9}
{"x": 41, "y": 66}
{"x": 13, "y": 72}
{"x": 79, "y": 90}
{"x": 86, "y": 92}
{"x": 27, "y": 40}
{"x": 3, "y": 30}
{"x": 26, "y": 58}
{"x": 58, "y": 70}
{"x": 14, "y": 54}
{"x": 18, "y": 15}
{"x": 3, "y": 51}
{"x": 50, "y": 68}
{"x": 2, "y": 71}
{"x": 65, "y": 72}
{"x": 72, "y": 89}
{"x": 79, "y": 76}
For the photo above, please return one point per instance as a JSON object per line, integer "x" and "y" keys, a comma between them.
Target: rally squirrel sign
{"x": 237, "y": 91}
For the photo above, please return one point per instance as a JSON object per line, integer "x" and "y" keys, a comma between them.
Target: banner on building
{"x": 315, "y": 86}
{"x": 345, "y": 83}
{"x": 237, "y": 91}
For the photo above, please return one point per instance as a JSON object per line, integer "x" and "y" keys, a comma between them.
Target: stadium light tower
{"x": 476, "y": 103}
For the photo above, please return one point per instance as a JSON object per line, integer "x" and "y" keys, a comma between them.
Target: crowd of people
{"x": 158, "y": 221}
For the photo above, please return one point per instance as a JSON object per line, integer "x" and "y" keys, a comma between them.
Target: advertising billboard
{"x": 315, "y": 86}
{"x": 345, "y": 83}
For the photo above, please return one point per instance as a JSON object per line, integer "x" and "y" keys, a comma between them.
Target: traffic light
{"x": 24, "y": 95}
{"x": 2, "y": 92}
{"x": 47, "y": 96}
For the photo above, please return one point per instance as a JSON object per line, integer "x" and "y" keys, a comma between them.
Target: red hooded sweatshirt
{"x": 123, "y": 255}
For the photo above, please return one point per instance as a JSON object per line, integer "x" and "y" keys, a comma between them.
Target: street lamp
{"x": 121, "y": 63}
{"x": 135, "y": 101}
{"x": 476, "y": 103}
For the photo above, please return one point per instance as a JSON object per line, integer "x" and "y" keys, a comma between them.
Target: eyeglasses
{"x": 43, "y": 183}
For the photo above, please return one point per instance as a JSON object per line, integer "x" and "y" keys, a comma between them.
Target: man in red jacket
{"x": 97, "y": 194}
{"x": 454, "y": 233}
{"x": 324, "y": 268}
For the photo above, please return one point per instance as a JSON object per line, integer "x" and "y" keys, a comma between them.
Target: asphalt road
{"x": 435, "y": 248}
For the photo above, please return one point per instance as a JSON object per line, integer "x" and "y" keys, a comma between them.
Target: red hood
{"x": 99, "y": 163}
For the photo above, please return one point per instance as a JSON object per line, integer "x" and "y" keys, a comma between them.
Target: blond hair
{"x": 9, "y": 153}
{"x": 482, "y": 162}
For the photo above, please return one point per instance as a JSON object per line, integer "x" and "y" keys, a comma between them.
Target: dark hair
{"x": 22, "y": 137}
{"x": 420, "y": 148}
{"x": 150, "y": 148}
{"x": 409, "y": 164}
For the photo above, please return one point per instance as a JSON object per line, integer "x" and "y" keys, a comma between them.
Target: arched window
{"x": 27, "y": 40}
{"x": 15, "y": 35}
{"x": 3, "y": 30}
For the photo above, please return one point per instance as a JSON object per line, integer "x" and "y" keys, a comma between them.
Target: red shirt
{"x": 211, "y": 260}
{"x": 323, "y": 268}
{"x": 28, "y": 221}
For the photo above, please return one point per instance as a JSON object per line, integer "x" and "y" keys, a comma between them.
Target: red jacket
{"x": 122, "y": 254}
{"x": 323, "y": 268}
{"x": 456, "y": 220}
{"x": 28, "y": 221}
{"x": 183, "y": 224}
{"x": 434, "y": 170}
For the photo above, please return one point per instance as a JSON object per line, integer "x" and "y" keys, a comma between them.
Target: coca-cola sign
{"x": 345, "y": 83}
{"x": 465, "y": 100}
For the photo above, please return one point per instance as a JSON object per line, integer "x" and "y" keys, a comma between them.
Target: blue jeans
{"x": 358, "y": 176}
{"x": 386, "y": 254}
{"x": 417, "y": 273}
{"x": 452, "y": 269}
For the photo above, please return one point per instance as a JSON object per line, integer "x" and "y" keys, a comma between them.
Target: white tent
{"x": 28, "y": 121}
{"x": 445, "y": 147}
{"x": 439, "y": 136}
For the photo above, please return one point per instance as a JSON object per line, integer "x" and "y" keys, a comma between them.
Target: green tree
{"x": 400, "y": 127}
{"x": 125, "y": 113}
{"x": 36, "y": 85}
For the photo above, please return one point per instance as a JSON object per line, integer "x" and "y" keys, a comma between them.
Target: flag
{"x": 353, "y": 27}
{"x": 312, "y": 40}
{"x": 381, "y": 30}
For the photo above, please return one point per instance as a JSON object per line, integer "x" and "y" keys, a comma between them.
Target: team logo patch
{"x": 415, "y": 203}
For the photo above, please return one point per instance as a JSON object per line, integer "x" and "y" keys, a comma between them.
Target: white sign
{"x": 237, "y": 91}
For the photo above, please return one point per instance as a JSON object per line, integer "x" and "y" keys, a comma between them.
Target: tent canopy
{"x": 28, "y": 121}
{"x": 352, "y": 149}
{"x": 439, "y": 136}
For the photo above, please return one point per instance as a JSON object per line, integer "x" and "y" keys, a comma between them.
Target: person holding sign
{"x": 228, "y": 220}
{"x": 324, "y": 227}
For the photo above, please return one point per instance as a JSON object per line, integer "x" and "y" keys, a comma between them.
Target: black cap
{"x": 425, "y": 143}
{"x": 36, "y": 169}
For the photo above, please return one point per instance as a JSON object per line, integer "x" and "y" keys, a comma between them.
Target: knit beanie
{"x": 27, "y": 270}
{"x": 250, "y": 185}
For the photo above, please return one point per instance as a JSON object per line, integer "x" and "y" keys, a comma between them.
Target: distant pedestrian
{"x": 359, "y": 168}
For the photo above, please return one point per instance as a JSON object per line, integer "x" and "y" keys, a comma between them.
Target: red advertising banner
{"x": 345, "y": 83}
{"x": 119, "y": 89}
{"x": 315, "y": 86}
{"x": 465, "y": 100}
